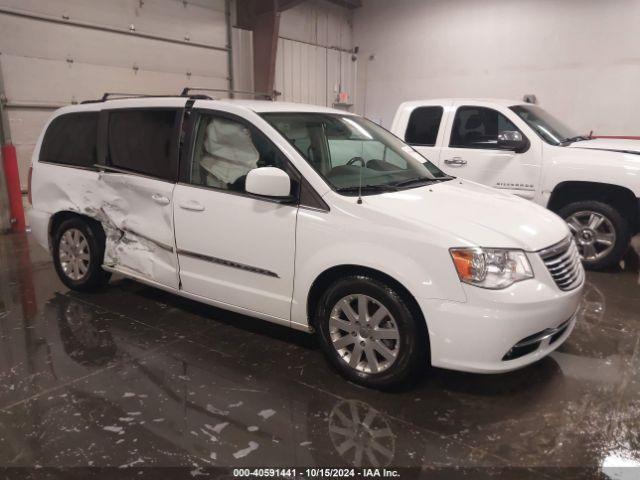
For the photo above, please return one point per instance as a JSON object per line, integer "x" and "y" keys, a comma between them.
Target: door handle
{"x": 192, "y": 205}
{"x": 456, "y": 161}
{"x": 160, "y": 199}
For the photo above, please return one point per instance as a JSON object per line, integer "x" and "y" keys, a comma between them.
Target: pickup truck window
{"x": 71, "y": 140}
{"x": 349, "y": 151}
{"x": 546, "y": 126}
{"x": 423, "y": 126}
{"x": 479, "y": 127}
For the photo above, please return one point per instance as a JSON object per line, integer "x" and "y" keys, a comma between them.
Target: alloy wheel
{"x": 364, "y": 333}
{"x": 594, "y": 234}
{"x": 74, "y": 255}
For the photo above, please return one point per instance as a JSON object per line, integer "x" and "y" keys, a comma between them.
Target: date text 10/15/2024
{"x": 294, "y": 473}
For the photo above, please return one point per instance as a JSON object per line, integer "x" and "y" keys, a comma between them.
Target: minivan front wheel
{"x": 370, "y": 333}
{"x": 78, "y": 253}
{"x": 601, "y": 233}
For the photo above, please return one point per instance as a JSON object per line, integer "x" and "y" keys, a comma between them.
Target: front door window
{"x": 479, "y": 127}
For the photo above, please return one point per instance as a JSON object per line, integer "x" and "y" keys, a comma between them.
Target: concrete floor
{"x": 133, "y": 376}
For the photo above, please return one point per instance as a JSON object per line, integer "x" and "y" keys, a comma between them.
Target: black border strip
{"x": 229, "y": 263}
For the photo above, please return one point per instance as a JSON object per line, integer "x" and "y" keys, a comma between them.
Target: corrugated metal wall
{"x": 312, "y": 74}
{"x": 60, "y": 51}
{"x": 242, "y": 42}
{"x": 314, "y": 60}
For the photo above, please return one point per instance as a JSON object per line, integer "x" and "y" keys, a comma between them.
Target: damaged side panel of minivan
{"x": 135, "y": 213}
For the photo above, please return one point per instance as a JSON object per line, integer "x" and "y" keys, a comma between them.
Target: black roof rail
{"x": 265, "y": 95}
{"x": 127, "y": 95}
{"x": 108, "y": 95}
{"x": 185, "y": 93}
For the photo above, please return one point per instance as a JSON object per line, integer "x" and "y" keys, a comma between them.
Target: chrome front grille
{"x": 564, "y": 265}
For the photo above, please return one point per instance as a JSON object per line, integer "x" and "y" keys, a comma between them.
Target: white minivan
{"x": 311, "y": 218}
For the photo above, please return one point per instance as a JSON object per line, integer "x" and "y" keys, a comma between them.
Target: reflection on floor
{"x": 133, "y": 376}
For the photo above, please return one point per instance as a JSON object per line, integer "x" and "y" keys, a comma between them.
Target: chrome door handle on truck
{"x": 455, "y": 162}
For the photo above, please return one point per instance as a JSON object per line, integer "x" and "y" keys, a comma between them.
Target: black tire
{"x": 621, "y": 229}
{"x": 412, "y": 347}
{"x": 95, "y": 277}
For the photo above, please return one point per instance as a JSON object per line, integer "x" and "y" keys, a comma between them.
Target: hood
{"x": 475, "y": 215}
{"x": 621, "y": 145}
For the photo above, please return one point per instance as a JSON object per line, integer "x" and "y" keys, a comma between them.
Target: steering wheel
{"x": 357, "y": 159}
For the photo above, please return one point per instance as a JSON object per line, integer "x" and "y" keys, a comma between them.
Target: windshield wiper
{"x": 367, "y": 188}
{"x": 421, "y": 181}
{"x": 577, "y": 138}
{"x": 413, "y": 181}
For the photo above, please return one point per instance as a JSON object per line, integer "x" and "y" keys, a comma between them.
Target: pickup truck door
{"x": 470, "y": 151}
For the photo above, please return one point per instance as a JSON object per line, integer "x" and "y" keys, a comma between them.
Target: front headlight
{"x": 493, "y": 268}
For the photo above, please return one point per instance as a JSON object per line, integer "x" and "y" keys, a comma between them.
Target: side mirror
{"x": 269, "y": 182}
{"x": 512, "y": 140}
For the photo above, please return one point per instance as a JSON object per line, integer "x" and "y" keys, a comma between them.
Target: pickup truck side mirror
{"x": 269, "y": 182}
{"x": 512, "y": 140}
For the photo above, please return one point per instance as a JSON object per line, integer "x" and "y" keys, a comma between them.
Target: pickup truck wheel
{"x": 601, "y": 233}
{"x": 78, "y": 252}
{"x": 370, "y": 334}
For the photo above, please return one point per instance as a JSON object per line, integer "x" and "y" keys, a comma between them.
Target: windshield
{"x": 349, "y": 151}
{"x": 549, "y": 128}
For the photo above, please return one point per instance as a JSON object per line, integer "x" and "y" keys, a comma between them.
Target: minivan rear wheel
{"x": 78, "y": 253}
{"x": 601, "y": 233}
{"x": 370, "y": 333}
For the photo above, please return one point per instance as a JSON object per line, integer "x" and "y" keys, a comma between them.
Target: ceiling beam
{"x": 287, "y": 4}
{"x": 247, "y": 11}
{"x": 350, "y": 4}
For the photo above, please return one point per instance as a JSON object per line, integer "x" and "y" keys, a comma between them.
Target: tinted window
{"x": 423, "y": 126}
{"x": 71, "y": 140}
{"x": 478, "y": 127}
{"x": 144, "y": 141}
{"x": 226, "y": 149}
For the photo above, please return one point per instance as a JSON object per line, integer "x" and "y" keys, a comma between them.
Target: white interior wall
{"x": 54, "y": 60}
{"x": 581, "y": 58}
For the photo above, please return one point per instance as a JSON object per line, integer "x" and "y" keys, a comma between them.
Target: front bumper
{"x": 480, "y": 335}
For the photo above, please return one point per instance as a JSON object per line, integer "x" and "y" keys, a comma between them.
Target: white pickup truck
{"x": 594, "y": 184}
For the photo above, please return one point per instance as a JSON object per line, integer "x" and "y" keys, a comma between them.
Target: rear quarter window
{"x": 71, "y": 140}
{"x": 423, "y": 126}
